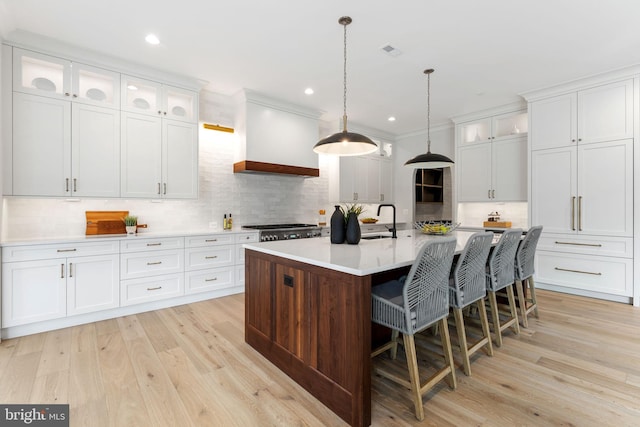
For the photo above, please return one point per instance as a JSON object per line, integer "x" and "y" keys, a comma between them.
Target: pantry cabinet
{"x": 582, "y": 169}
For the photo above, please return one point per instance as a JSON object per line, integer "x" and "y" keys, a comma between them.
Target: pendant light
{"x": 429, "y": 160}
{"x": 345, "y": 143}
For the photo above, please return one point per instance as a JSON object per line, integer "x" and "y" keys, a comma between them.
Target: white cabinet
{"x": 45, "y": 282}
{"x": 582, "y": 189}
{"x": 493, "y": 171}
{"x": 601, "y": 113}
{"x": 491, "y": 160}
{"x": 66, "y": 128}
{"x": 152, "y": 269}
{"x": 365, "y": 179}
{"x": 159, "y": 157}
{"x": 54, "y": 77}
{"x": 157, "y": 99}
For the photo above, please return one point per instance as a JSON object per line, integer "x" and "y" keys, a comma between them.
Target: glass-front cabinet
{"x": 53, "y": 77}
{"x": 153, "y": 98}
{"x": 495, "y": 127}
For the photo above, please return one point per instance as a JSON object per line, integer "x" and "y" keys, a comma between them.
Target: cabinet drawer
{"x": 137, "y": 291}
{"x": 36, "y": 252}
{"x": 209, "y": 280}
{"x": 246, "y": 238}
{"x": 142, "y": 264}
{"x": 211, "y": 257}
{"x": 590, "y": 245}
{"x": 209, "y": 240}
{"x": 138, "y": 245}
{"x": 588, "y": 272}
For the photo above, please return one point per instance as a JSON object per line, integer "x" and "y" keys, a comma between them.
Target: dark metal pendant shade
{"x": 345, "y": 144}
{"x": 429, "y": 161}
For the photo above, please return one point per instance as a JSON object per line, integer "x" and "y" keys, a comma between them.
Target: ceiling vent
{"x": 390, "y": 50}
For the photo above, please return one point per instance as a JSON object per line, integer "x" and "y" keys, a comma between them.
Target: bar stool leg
{"x": 514, "y": 311}
{"x": 462, "y": 340}
{"x": 448, "y": 354}
{"x": 394, "y": 349}
{"x": 414, "y": 377}
{"x": 534, "y": 300}
{"x": 523, "y": 303}
{"x": 484, "y": 321}
{"x": 495, "y": 317}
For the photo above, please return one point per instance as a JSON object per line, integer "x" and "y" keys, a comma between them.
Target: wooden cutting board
{"x": 497, "y": 224}
{"x": 105, "y": 222}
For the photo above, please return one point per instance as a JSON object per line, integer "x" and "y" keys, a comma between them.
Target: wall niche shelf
{"x": 429, "y": 188}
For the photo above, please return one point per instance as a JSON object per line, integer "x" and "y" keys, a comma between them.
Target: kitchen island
{"x": 308, "y": 311}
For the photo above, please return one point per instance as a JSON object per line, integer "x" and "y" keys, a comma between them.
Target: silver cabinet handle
{"x": 70, "y": 269}
{"x": 579, "y": 213}
{"x": 62, "y": 271}
{"x": 154, "y": 263}
{"x": 579, "y": 244}
{"x": 66, "y": 184}
{"x": 66, "y": 250}
{"x": 158, "y": 188}
{"x": 165, "y": 188}
{"x": 493, "y": 194}
{"x": 154, "y": 289}
{"x": 211, "y": 240}
{"x": 211, "y": 280}
{"x": 154, "y": 244}
{"x": 211, "y": 257}
{"x": 578, "y": 271}
{"x": 75, "y": 185}
{"x": 573, "y": 213}
{"x": 488, "y": 194}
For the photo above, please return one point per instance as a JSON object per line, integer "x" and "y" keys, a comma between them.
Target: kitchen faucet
{"x": 392, "y": 230}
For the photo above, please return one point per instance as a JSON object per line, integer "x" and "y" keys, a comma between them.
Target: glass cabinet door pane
{"x": 479, "y": 131}
{"x": 95, "y": 85}
{"x": 180, "y": 104}
{"x": 141, "y": 96}
{"x": 41, "y": 74}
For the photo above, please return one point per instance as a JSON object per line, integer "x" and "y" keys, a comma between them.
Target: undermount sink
{"x": 376, "y": 236}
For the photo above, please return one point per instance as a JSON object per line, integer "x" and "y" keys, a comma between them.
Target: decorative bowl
{"x": 436, "y": 228}
{"x": 368, "y": 220}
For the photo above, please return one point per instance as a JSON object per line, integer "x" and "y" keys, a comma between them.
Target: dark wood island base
{"x": 314, "y": 324}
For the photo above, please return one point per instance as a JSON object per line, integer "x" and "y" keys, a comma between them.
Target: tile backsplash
{"x": 474, "y": 214}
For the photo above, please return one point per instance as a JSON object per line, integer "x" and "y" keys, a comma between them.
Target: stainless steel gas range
{"x": 270, "y": 232}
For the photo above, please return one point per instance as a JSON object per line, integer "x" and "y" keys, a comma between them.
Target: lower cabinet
{"x": 39, "y": 282}
{"x": 147, "y": 289}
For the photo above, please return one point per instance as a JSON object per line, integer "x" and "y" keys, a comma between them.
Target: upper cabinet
{"x": 364, "y": 179}
{"x": 73, "y": 134}
{"x": 491, "y": 128}
{"x": 53, "y": 77}
{"x": 157, "y": 99}
{"x": 601, "y": 113}
{"x": 491, "y": 160}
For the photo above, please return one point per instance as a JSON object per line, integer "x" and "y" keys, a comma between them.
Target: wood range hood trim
{"x": 249, "y": 166}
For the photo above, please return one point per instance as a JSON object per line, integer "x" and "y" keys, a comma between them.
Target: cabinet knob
{"x": 67, "y": 94}
{"x": 75, "y": 96}
{"x": 573, "y": 140}
{"x": 159, "y": 112}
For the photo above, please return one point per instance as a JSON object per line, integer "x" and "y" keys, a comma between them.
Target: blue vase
{"x": 353, "y": 229}
{"x": 337, "y": 226}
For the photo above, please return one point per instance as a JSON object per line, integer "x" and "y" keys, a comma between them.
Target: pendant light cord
{"x": 428, "y": 73}
{"x": 344, "y": 95}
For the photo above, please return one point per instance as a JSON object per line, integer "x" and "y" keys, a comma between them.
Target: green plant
{"x": 352, "y": 208}
{"x": 130, "y": 220}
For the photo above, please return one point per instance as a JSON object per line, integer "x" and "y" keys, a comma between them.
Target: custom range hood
{"x": 274, "y": 136}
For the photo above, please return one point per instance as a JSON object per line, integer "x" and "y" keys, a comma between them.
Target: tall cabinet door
{"x": 508, "y": 169}
{"x": 554, "y": 189}
{"x": 605, "y": 188}
{"x": 179, "y": 160}
{"x": 95, "y": 151}
{"x": 141, "y": 153}
{"x": 553, "y": 122}
{"x": 41, "y": 146}
{"x": 474, "y": 172}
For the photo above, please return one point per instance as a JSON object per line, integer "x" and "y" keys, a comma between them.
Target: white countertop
{"x": 367, "y": 257}
{"x": 103, "y": 237}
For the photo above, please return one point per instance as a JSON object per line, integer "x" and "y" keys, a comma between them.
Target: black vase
{"x": 353, "y": 229}
{"x": 337, "y": 226}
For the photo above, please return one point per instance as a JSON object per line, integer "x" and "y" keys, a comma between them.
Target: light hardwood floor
{"x": 579, "y": 364}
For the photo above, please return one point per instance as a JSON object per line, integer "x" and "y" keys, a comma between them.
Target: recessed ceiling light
{"x": 132, "y": 87}
{"x": 391, "y": 119}
{"x": 308, "y": 91}
{"x": 152, "y": 39}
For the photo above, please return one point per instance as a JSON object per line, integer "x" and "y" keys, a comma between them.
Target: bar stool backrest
{"x": 502, "y": 259}
{"x": 469, "y": 282}
{"x": 426, "y": 290}
{"x": 526, "y": 252}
